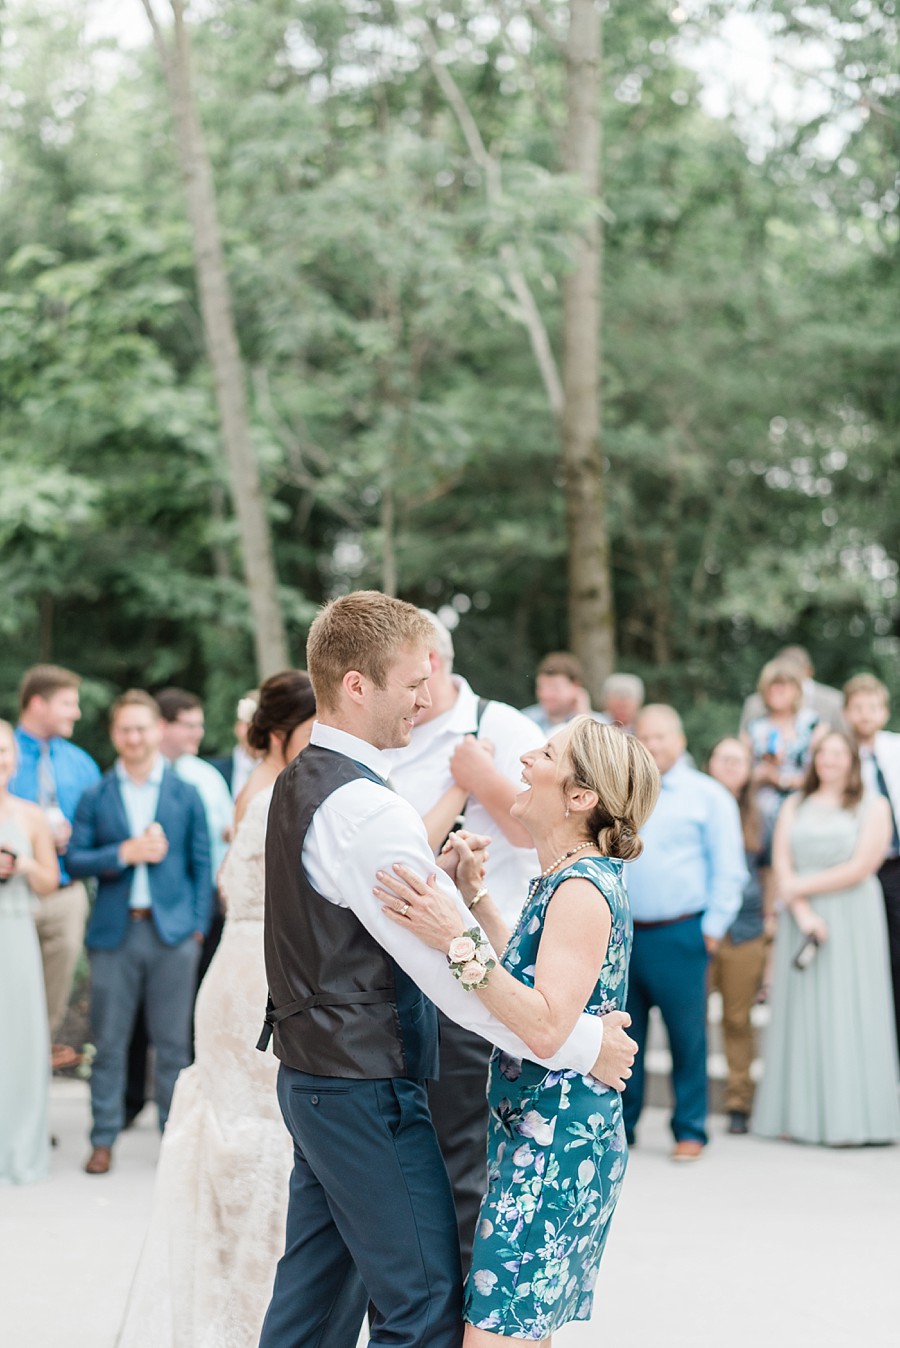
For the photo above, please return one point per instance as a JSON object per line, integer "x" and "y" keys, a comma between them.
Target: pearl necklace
{"x": 565, "y": 857}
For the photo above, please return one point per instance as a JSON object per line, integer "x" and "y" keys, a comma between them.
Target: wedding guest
{"x": 54, "y": 773}
{"x": 685, "y": 891}
{"x": 781, "y": 740}
{"x": 181, "y": 728}
{"x": 826, "y": 703}
{"x": 561, "y": 694}
{"x": 28, "y": 870}
{"x": 867, "y": 709}
{"x": 738, "y": 965}
{"x": 824, "y": 1081}
{"x": 621, "y": 700}
{"x": 142, "y": 832}
{"x": 237, "y": 766}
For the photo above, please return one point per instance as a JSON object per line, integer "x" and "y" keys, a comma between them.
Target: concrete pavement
{"x": 758, "y": 1244}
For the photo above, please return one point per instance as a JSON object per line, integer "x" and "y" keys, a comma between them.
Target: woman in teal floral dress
{"x": 556, "y": 1142}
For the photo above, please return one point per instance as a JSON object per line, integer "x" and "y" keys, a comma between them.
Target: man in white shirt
{"x": 355, "y": 1035}
{"x": 867, "y": 709}
{"x": 462, "y": 768}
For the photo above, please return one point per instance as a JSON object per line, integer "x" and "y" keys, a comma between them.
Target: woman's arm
{"x": 443, "y": 815}
{"x": 492, "y": 921}
{"x": 41, "y": 870}
{"x": 571, "y": 953}
{"x": 874, "y": 840}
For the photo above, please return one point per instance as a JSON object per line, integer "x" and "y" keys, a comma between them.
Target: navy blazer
{"x": 180, "y": 884}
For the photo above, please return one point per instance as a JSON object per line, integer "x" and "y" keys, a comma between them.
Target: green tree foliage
{"x": 751, "y": 396}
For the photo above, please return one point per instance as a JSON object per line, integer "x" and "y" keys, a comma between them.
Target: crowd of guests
{"x": 784, "y": 856}
{"x": 780, "y": 863}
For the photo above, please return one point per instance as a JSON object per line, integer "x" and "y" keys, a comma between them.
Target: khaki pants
{"x": 60, "y": 920}
{"x": 737, "y": 972}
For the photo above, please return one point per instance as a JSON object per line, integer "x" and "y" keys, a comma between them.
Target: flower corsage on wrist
{"x": 471, "y": 959}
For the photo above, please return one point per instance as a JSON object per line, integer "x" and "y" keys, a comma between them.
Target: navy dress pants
{"x": 668, "y": 970}
{"x": 370, "y": 1216}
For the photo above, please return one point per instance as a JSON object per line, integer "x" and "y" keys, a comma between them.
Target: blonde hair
{"x": 614, "y": 764}
{"x": 780, "y": 671}
{"x": 362, "y": 631}
{"x": 866, "y": 683}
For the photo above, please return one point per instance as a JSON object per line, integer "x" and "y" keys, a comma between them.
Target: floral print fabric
{"x": 556, "y": 1150}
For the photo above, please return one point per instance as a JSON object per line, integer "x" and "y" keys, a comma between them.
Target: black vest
{"x": 338, "y": 1004}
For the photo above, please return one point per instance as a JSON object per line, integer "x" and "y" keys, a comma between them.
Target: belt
{"x": 140, "y": 914}
{"x": 665, "y": 922}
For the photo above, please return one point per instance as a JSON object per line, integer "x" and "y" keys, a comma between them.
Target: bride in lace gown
{"x": 217, "y": 1225}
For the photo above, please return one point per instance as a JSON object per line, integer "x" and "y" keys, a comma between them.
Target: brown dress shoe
{"x": 687, "y": 1151}
{"x": 99, "y": 1161}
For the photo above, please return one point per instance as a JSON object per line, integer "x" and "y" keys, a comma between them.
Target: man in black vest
{"x": 357, "y": 1038}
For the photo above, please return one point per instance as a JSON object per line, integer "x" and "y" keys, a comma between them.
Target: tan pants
{"x": 60, "y": 920}
{"x": 737, "y": 972}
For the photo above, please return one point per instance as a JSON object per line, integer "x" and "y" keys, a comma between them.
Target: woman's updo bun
{"x": 619, "y": 839}
{"x": 615, "y": 765}
{"x": 286, "y": 700}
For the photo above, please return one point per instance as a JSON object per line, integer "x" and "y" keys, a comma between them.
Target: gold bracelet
{"x": 482, "y": 893}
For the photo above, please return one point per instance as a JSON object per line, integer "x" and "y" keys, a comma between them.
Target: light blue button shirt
{"x": 141, "y": 800}
{"x": 693, "y": 857}
{"x": 217, "y": 803}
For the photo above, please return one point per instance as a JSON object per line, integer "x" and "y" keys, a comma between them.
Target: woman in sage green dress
{"x": 830, "y": 1073}
{"x": 556, "y": 1141}
{"x": 28, "y": 869}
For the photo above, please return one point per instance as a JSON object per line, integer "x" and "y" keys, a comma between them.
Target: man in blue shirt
{"x": 54, "y": 773}
{"x": 685, "y": 890}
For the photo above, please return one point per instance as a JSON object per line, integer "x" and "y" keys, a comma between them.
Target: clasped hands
{"x": 148, "y": 848}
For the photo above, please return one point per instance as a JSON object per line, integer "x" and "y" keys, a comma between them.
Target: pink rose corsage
{"x": 471, "y": 959}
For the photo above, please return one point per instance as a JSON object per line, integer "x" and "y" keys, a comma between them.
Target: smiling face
{"x": 388, "y": 714}
{"x": 8, "y": 757}
{"x": 730, "y": 764}
{"x": 866, "y": 714}
{"x": 543, "y": 772}
{"x": 135, "y": 734}
{"x": 659, "y": 730}
{"x": 833, "y": 760}
{"x": 183, "y": 735}
{"x": 557, "y": 695}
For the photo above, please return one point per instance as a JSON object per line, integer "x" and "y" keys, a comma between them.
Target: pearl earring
{"x": 568, "y": 812}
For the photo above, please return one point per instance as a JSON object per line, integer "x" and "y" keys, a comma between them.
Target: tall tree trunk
{"x": 591, "y": 631}
{"x": 222, "y": 347}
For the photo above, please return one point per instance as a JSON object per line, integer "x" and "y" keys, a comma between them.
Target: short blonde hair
{"x": 780, "y": 671}
{"x": 866, "y": 683}
{"x": 362, "y": 631}
{"x": 606, "y": 759}
{"x": 134, "y": 697}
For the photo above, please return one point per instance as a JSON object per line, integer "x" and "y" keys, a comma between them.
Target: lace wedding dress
{"x": 217, "y": 1226}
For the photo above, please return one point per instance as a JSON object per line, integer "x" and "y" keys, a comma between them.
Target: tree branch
{"x": 529, "y": 314}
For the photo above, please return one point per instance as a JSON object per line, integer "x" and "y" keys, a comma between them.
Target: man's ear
{"x": 354, "y": 685}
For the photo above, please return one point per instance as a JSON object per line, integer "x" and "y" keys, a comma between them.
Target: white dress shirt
{"x": 362, "y": 828}
{"x": 421, "y": 773}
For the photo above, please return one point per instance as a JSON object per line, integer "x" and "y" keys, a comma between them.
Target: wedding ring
{"x": 404, "y": 910}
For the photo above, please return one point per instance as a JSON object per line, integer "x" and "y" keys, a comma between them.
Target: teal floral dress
{"x": 556, "y": 1150}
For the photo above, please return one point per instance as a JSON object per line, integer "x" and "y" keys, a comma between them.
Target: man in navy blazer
{"x": 142, "y": 831}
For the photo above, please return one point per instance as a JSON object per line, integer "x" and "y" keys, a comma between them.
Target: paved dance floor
{"x": 757, "y": 1244}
